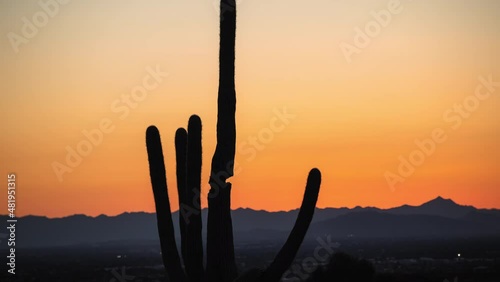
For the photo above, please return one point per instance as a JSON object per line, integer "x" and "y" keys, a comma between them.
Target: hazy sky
{"x": 74, "y": 66}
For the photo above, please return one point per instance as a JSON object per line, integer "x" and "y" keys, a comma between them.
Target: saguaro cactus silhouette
{"x": 220, "y": 264}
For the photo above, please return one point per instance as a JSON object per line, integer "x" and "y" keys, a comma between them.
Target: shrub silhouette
{"x": 344, "y": 268}
{"x": 220, "y": 264}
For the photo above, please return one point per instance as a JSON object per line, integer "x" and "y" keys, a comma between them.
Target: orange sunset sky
{"x": 352, "y": 118}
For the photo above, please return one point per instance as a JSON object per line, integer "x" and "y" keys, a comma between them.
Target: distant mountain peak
{"x": 441, "y": 201}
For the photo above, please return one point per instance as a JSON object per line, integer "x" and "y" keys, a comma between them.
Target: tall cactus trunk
{"x": 223, "y": 158}
{"x": 221, "y": 265}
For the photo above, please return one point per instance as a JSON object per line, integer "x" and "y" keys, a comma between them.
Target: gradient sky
{"x": 352, "y": 120}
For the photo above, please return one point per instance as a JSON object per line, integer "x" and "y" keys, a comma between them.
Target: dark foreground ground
{"x": 406, "y": 261}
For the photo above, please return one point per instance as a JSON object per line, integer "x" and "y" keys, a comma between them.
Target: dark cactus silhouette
{"x": 220, "y": 264}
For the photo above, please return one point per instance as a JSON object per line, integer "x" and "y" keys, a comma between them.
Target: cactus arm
{"x": 170, "y": 255}
{"x": 194, "y": 241}
{"x": 288, "y": 252}
{"x": 180, "y": 159}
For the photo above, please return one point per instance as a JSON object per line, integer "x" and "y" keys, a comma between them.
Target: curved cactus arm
{"x": 288, "y": 252}
{"x": 180, "y": 159}
{"x": 170, "y": 255}
{"x": 194, "y": 241}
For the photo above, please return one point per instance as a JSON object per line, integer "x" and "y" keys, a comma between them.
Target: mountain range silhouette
{"x": 438, "y": 218}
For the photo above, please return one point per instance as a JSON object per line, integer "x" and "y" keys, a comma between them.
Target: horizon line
{"x": 258, "y": 210}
